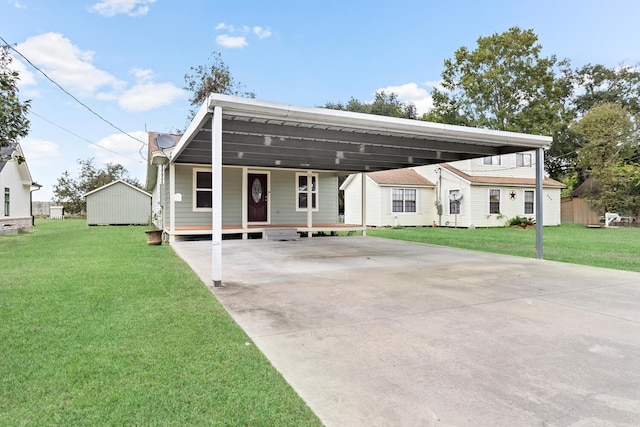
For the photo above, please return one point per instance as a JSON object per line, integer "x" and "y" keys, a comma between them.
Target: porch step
{"x": 281, "y": 234}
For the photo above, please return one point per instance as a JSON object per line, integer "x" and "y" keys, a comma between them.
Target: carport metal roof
{"x": 266, "y": 134}
{"x": 251, "y": 133}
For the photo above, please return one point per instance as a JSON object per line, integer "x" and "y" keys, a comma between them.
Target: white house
{"x": 16, "y": 185}
{"x": 481, "y": 192}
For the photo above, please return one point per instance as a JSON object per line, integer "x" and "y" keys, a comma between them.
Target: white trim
{"x": 316, "y": 192}
{"x": 524, "y": 201}
{"x": 404, "y": 189}
{"x": 489, "y": 201}
{"x": 194, "y": 189}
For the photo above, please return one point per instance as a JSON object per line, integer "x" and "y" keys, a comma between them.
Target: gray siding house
{"x": 118, "y": 203}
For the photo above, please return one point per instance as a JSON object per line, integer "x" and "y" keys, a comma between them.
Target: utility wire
{"x": 81, "y": 137}
{"x": 74, "y": 98}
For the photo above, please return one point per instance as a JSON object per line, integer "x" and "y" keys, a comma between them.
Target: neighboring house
{"x": 400, "y": 197}
{"x": 118, "y": 203}
{"x": 483, "y": 192}
{"x": 16, "y": 185}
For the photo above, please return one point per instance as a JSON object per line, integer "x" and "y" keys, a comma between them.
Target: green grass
{"x": 97, "y": 328}
{"x": 617, "y": 248}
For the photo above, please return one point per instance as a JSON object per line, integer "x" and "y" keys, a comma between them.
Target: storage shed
{"x": 56, "y": 212}
{"x": 118, "y": 203}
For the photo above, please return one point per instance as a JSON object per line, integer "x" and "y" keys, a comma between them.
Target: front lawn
{"x": 617, "y": 248}
{"x": 97, "y": 328}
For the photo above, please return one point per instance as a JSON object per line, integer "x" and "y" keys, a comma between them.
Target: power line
{"x": 81, "y": 137}
{"x": 74, "y": 98}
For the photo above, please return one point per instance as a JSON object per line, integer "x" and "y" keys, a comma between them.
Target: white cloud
{"x": 262, "y": 33}
{"x": 233, "y": 42}
{"x": 411, "y": 92}
{"x": 128, "y": 150}
{"x": 223, "y": 26}
{"x": 147, "y": 95}
{"x": 143, "y": 74}
{"x": 18, "y": 5}
{"x": 126, "y": 7}
{"x": 40, "y": 153}
{"x": 66, "y": 64}
{"x": 26, "y": 77}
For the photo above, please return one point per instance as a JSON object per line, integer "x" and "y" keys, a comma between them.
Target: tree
{"x": 13, "y": 113}
{"x": 505, "y": 84}
{"x": 384, "y": 104}
{"x": 599, "y": 85}
{"x": 69, "y": 192}
{"x": 214, "y": 77}
{"x": 608, "y": 135}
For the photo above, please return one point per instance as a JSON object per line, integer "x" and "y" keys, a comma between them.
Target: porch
{"x": 259, "y": 230}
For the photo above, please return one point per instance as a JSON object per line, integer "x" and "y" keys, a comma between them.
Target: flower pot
{"x": 154, "y": 237}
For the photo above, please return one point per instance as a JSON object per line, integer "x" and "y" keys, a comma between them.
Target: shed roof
{"x": 267, "y": 134}
{"x": 116, "y": 182}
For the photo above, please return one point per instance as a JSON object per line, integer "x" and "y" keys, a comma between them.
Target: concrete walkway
{"x": 376, "y": 332}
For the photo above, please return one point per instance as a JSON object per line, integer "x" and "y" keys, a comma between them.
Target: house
{"x": 483, "y": 192}
{"x": 118, "y": 203}
{"x": 16, "y": 185}
{"x": 245, "y": 166}
{"x": 399, "y": 197}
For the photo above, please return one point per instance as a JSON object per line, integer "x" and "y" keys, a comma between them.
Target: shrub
{"x": 521, "y": 221}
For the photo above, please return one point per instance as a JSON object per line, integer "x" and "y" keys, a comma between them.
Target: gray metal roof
{"x": 266, "y": 134}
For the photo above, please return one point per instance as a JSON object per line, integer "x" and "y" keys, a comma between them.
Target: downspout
{"x": 38, "y": 186}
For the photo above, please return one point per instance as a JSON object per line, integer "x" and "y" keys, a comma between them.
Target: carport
{"x": 246, "y": 132}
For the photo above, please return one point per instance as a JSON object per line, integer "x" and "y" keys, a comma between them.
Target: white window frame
{"x": 195, "y": 189}
{"x": 523, "y": 160}
{"x": 451, "y": 201}
{"x": 7, "y": 201}
{"x": 404, "y": 200}
{"x": 491, "y": 161}
{"x": 499, "y": 201}
{"x": 316, "y": 192}
{"x": 533, "y": 202}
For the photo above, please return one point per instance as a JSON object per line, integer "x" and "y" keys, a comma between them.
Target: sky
{"x": 124, "y": 61}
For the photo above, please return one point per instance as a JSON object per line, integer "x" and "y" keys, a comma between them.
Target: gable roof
{"x": 501, "y": 180}
{"x": 5, "y": 152}
{"x": 400, "y": 177}
{"x": 116, "y": 182}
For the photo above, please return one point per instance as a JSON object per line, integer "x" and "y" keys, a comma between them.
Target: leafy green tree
{"x": 506, "y": 84}
{"x": 13, "y": 112}
{"x": 69, "y": 192}
{"x": 384, "y": 104}
{"x": 213, "y": 77}
{"x": 608, "y": 135}
{"x": 600, "y": 85}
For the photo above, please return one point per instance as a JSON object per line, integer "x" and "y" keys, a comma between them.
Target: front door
{"x": 257, "y": 197}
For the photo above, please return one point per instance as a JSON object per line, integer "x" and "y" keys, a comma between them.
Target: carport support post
{"x": 310, "y": 202}
{"x": 216, "y": 196}
{"x": 539, "y": 207}
{"x": 363, "y": 202}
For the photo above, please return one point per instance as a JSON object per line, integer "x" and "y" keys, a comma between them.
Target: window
{"x": 454, "y": 205}
{"x": 301, "y": 191}
{"x": 494, "y": 201}
{"x": 523, "y": 160}
{"x": 403, "y": 200}
{"x": 492, "y": 160}
{"x": 202, "y": 197}
{"x": 528, "y": 202}
{"x": 6, "y": 201}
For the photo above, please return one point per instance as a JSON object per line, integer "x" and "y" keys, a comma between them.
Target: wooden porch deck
{"x": 195, "y": 230}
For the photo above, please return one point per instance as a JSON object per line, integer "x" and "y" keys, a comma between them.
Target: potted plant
{"x": 154, "y": 234}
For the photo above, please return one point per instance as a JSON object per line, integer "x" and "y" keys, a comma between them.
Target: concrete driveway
{"x": 376, "y": 332}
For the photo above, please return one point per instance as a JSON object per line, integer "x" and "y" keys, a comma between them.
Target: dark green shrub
{"x": 521, "y": 221}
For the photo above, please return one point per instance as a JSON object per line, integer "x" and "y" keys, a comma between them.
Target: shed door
{"x": 257, "y": 194}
